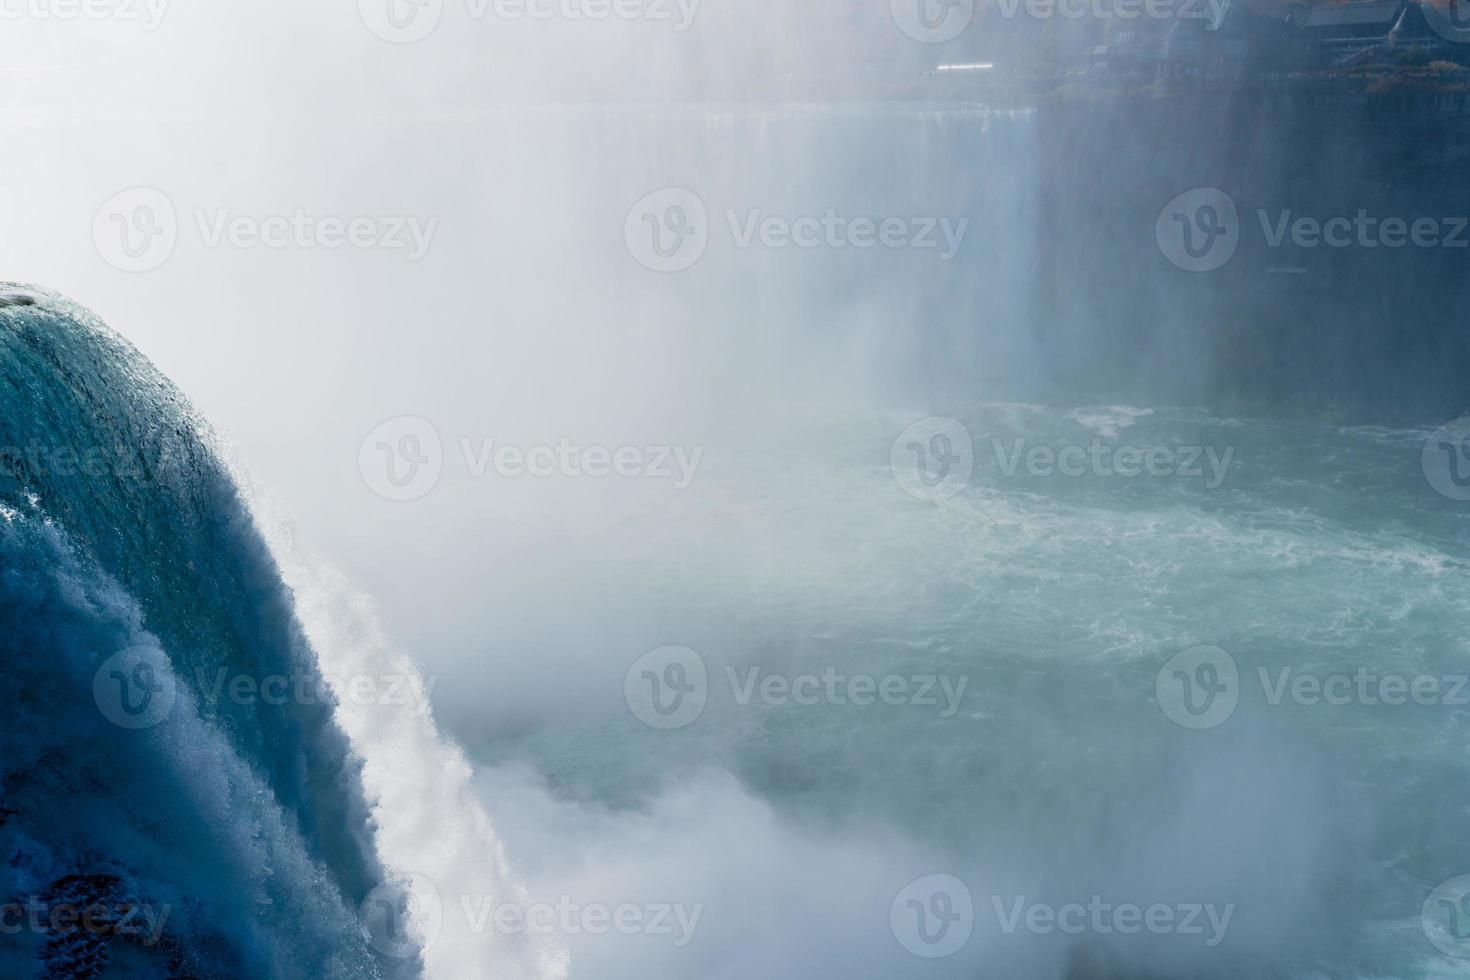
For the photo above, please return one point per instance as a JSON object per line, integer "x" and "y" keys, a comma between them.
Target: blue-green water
{"x": 1324, "y": 816}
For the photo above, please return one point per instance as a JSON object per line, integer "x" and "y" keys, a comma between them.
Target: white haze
{"x": 527, "y": 322}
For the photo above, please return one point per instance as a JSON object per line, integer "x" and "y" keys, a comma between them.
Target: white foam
{"x": 1108, "y": 421}
{"x": 429, "y": 821}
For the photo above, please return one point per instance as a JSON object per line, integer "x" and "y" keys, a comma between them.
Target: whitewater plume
{"x": 431, "y": 825}
{"x": 176, "y": 755}
{"x": 173, "y": 819}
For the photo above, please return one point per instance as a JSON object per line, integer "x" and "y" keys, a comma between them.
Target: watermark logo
{"x": 136, "y": 230}
{"x": 933, "y": 21}
{"x": 401, "y": 21}
{"x": 679, "y": 13}
{"x": 406, "y": 21}
{"x": 1198, "y": 688}
{"x": 933, "y": 459}
{"x": 1199, "y": 230}
{"x": 407, "y": 690}
{"x": 146, "y": 464}
{"x": 1363, "y": 230}
{"x": 301, "y": 229}
{"x": 135, "y": 688}
{"x": 1446, "y": 460}
{"x": 570, "y": 460}
{"x": 1202, "y": 687}
{"x": 668, "y": 230}
{"x": 836, "y": 230}
{"x": 1365, "y": 686}
{"x": 1450, "y": 21}
{"x": 142, "y": 923}
{"x": 568, "y": 917}
{"x": 833, "y": 687}
{"x": 1101, "y": 460}
{"x": 670, "y": 687}
{"x": 933, "y": 917}
{"x": 402, "y": 459}
{"x": 1210, "y": 11}
{"x": 403, "y": 916}
{"x": 1099, "y": 917}
{"x": 148, "y": 14}
{"x": 1447, "y": 917}
{"x": 667, "y": 688}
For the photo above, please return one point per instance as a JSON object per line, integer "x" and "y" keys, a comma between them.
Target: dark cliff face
{"x": 1344, "y": 286}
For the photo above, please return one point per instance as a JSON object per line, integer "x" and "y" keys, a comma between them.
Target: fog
{"x": 383, "y": 248}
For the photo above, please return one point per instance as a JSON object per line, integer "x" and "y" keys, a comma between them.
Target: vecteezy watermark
{"x": 387, "y": 690}
{"x": 934, "y": 458}
{"x": 402, "y": 916}
{"x": 137, "y": 230}
{"x": 138, "y": 921}
{"x": 1450, "y": 21}
{"x": 1200, "y": 230}
{"x": 405, "y": 916}
{"x": 35, "y": 461}
{"x": 1098, "y": 458}
{"x": 1364, "y": 686}
{"x": 406, "y": 21}
{"x": 1097, "y": 917}
{"x": 401, "y": 21}
{"x": 1201, "y": 687}
{"x": 567, "y": 459}
{"x": 147, "y": 14}
{"x": 933, "y": 916}
{"x": 754, "y": 684}
{"x": 938, "y": 21}
{"x": 135, "y": 688}
{"x": 669, "y": 231}
{"x": 403, "y": 459}
{"x": 1198, "y": 688}
{"x": 1446, "y": 459}
{"x": 933, "y": 21}
{"x": 1211, "y": 11}
{"x": 668, "y": 688}
{"x": 568, "y": 917}
{"x": 1446, "y": 917}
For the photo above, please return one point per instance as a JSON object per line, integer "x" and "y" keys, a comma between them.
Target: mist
{"x": 412, "y": 265}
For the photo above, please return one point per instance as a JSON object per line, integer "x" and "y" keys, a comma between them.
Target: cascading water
{"x": 173, "y": 748}
{"x": 1258, "y": 526}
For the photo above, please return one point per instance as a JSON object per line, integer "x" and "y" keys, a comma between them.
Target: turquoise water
{"x": 1058, "y": 775}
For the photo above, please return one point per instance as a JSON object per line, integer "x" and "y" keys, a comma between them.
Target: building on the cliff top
{"x": 1240, "y": 38}
{"x": 1205, "y": 40}
{"x": 1345, "y": 33}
